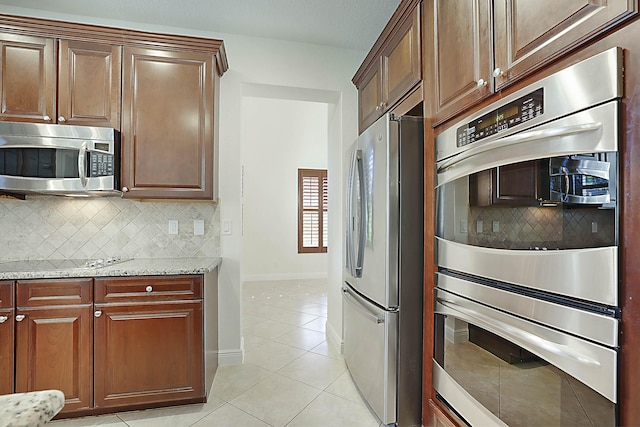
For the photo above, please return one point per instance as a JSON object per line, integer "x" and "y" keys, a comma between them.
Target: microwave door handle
{"x": 82, "y": 162}
{"x": 519, "y": 138}
{"x": 565, "y": 173}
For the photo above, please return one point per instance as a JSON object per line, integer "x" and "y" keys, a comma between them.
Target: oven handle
{"x": 528, "y": 337}
{"x": 519, "y": 138}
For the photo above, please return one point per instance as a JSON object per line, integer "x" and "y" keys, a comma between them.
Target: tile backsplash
{"x": 50, "y": 227}
{"x": 542, "y": 227}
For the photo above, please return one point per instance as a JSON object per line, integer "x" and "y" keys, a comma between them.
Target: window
{"x": 313, "y": 201}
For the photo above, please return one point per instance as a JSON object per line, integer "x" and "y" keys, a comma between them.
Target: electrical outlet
{"x": 226, "y": 227}
{"x": 496, "y": 226}
{"x": 594, "y": 227}
{"x": 463, "y": 226}
{"x": 479, "y": 226}
{"x": 173, "y": 226}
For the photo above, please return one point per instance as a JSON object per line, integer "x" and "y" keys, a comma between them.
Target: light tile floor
{"x": 291, "y": 377}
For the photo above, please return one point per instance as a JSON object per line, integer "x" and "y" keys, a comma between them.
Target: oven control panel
{"x": 502, "y": 118}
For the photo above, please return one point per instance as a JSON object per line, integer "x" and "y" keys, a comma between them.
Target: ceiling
{"x": 349, "y": 24}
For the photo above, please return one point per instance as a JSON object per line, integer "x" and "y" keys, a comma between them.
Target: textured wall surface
{"x": 46, "y": 227}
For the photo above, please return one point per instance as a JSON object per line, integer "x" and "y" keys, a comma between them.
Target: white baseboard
{"x": 230, "y": 357}
{"x": 334, "y": 337}
{"x": 456, "y": 335}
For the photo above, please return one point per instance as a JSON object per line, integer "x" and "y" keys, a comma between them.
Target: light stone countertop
{"x": 50, "y": 269}
{"x": 31, "y": 409}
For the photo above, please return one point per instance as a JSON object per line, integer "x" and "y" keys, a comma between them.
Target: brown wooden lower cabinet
{"x": 7, "y": 332}
{"x": 54, "y": 339}
{"x": 148, "y": 352}
{"x": 436, "y": 418}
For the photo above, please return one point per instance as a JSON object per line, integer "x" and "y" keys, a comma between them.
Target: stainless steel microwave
{"x": 59, "y": 159}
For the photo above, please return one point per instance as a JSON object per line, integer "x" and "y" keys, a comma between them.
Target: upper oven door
{"x": 537, "y": 208}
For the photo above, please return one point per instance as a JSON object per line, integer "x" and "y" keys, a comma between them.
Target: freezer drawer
{"x": 370, "y": 351}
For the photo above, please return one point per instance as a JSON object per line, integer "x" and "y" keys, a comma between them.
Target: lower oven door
{"x": 495, "y": 369}
{"x": 370, "y": 351}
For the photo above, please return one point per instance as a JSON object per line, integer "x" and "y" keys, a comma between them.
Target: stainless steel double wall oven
{"x": 527, "y": 304}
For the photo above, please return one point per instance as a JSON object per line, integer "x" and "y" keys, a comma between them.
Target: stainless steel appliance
{"x": 57, "y": 159}
{"x": 382, "y": 294}
{"x": 526, "y": 301}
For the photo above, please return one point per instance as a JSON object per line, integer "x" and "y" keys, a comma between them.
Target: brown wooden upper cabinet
{"x": 168, "y": 124}
{"x": 481, "y": 46}
{"x": 81, "y": 86}
{"x": 387, "y": 77}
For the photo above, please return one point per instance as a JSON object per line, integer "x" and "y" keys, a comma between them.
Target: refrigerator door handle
{"x": 350, "y": 219}
{"x": 363, "y": 216}
{"x": 379, "y": 320}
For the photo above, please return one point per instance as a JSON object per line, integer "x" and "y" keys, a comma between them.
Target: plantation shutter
{"x": 313, "y": 202}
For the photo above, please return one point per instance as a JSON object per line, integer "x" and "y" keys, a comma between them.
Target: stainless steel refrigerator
{"x": 383, "y": 289}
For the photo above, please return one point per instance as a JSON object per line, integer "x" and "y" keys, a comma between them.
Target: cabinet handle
{"x": 61, "y": 119}
{"x": 47, "y": 118}
{"x": 19, "y": 317}
{"x": 97, "y": 313}
{"x": 481, "y": 83}
{"x": 378, "y": 108}
{"x": 149, "y": 288}
{"x": 4, "y": 319}
{"x": 125, "y": 189}
{"x": 498, "y": 72}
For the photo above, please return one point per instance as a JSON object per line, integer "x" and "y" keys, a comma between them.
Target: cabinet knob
{"x": 61, "y": 119}
{"x": 19, "y": 317}
{"x": 498, "y": 72}
{"x": 481, "y": 83}
{"x": 4, "y": 319}
{"x": 125, "y": 189}
{"x": 149, "y": 288}
{"x": 47, "y": 118}
{"x": 378, "y": 108}
{"x": 97, "y": 313}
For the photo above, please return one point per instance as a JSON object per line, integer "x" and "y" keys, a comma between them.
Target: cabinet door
{"x": 7, "y": 324}
{"x": 28, "y": 80}
{"x": 7, "y": 331}
{"x": 89, "y": 84}
{"x": 515, "y": 184}
{"x": 167, "y": 124}
{"x": 529, "y": 34}
{"x": 461, "y": 51}
{"x": 401, "y": 60}
{"x": 54, "y": 351}
{"x": 370, "y": 103}
{"x": 148, "y": 353}
{"x": 436, "y": 418}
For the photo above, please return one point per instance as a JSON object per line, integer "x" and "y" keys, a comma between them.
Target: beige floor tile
{"x": 314, "y": 369}
{"x": 269, "y": 329}
{"x": 296, "y": 318}
{"x": 229, "y": 416}
{"x": 252, "y": 341}
{"x": 233, "y": 380}
{"x": 312, "y": 308}
{"x": 264, "y": 311}
{"x": 273, "y": 355}
{"x": 276, "y": 400}
{"x": 302, "y": 338}
{"x": 326, "y": 349}
{"x": 318, "y": 324}
{"x": 174, "y": 416}
{"x": 328, "y": 409}
{"x": 102, "y": 421}
{"x": 345, "y": 388}
{"x": 249, "y": 321}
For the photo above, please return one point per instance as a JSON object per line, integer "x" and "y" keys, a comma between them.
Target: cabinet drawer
{"x": 36, "y": 293}
{"x": 152, "y": 288}
{"x": 6, "y": 294}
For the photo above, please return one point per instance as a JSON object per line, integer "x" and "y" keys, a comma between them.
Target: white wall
{"x": 278, "y": 137}
{"x": 310, "y": 68}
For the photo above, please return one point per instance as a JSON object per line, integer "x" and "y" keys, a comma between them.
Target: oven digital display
{"x": 502, "y": 118}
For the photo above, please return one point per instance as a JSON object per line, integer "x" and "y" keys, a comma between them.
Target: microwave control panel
{"x": 100, "y": 164}
{"x": 502, "y": 118}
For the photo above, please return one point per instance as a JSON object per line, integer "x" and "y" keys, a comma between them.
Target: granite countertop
{"x": 47, "y": 269}
{"x": 31, "y": 409}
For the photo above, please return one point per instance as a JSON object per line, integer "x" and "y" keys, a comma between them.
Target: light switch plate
{"x": 479, "y": 226}
{"x": 198, "y": 227}
{"x": 226, "y": 227}
{"x": 173, "y": 226}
